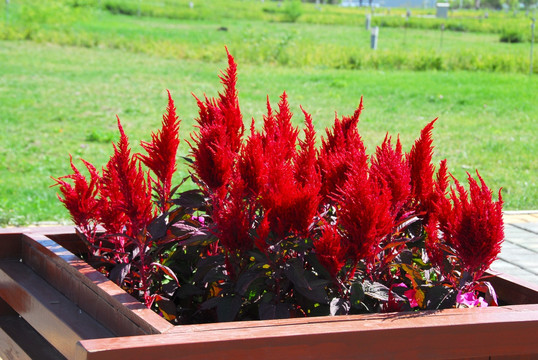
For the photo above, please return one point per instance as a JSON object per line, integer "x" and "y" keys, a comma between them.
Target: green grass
{"x": 58, "y": 100}
{"x": 258, "y": 37}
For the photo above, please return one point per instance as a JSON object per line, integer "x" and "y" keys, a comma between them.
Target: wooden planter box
{"x": 69, "y": 310}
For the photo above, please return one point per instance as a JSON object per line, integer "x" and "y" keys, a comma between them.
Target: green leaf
{"x": 167, "y": 271}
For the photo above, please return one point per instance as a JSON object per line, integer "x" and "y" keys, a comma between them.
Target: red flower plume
{"x": 81, "y": 200}
{"x": 342, "y": 147}
{"x": 233, "y": 217}
{"x": 291, "y": 183}
{"x": 125, "y": 187}
{"x": 162, "y": 150}
{"x": 422, "y": 169}
{"x": 251, "y": 163}
{"x": 365, "y": 215}
{"x": 473, "y": 226}
{"x": 220, "y": 131}
{"x": 330, "y": 250}
{"x": 306, "y": 162}
{"x": 389, "y": 167}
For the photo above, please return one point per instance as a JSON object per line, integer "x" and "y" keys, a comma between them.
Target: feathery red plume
{"x": 330, "y": 250}
{"x": 162, "y": 151}
{"x": 221, "y": 128}
{"x": 81, "y": 200}
{"x": 388, "y": 166}
{"x": 421, "y": 167}
{"x": 473, "y": 226}
{"x": 342, "y": 147}
{"x": 364, "y": 214}
{"x": 126, "y": 188}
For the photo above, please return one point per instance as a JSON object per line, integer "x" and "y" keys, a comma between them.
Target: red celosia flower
{"x": 251, "y": 163}
{"x": 292, "y": 207}
{"x": 389, "y": 167}
{"x": 364, "y": 214}
{"x": 342, "y": 147}
{"x": 221, "y": 129}
{"x": 306, "y": 162}
{"x": 441, "y": 181}
{"x": 330, "y": 250}
{"x": 162, "y": 150}
{"x": 279, "y": 134}
{"x": 233, "y": 217}
{"x": 472, "y": 226}
{"x": 433, "y": 244}
{"x": 126, "y": 188}
{"x": 213, "y": 158}
{"x": 81, "y": 200}
{"x": 262, "y": 234}
{"x": 422, "y": 169}
{"x": 291, "y": 184}
{"x": 229, "y": 105}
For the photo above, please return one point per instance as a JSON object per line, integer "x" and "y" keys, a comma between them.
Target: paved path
{"x": 519, "y": 253}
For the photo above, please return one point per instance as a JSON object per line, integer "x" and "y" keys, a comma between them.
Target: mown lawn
{"x": 56, "y": 101}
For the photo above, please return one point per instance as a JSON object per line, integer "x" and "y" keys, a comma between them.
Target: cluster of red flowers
{"x": 276, "y": 179}
{"x": 274, "y": 198}
{"x": 120, "y": 200}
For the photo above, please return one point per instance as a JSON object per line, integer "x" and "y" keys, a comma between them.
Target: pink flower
{"x": 410, "y": 294}
{"x": 470, "y": 300}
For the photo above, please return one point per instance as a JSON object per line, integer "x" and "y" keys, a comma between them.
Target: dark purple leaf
{"x": 119, "y": 272}
{"x": 157, "y": 228}
{"x": 228, "y": 308}
{"x": 269, "y": 311}
{"x": 191, "y": 199}
{"x": 167, "y": 271}
{"x": 340, "y": 306}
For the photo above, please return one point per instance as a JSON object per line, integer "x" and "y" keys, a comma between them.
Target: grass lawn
{"x": 259, "y": 37}
{"x": 58, "y": 100}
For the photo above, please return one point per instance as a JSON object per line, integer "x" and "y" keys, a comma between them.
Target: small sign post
{"x": 533, "y": 25}
{"x": 442, "y": 31}
{"x": 373, "y": 37}
{"x": 7, "y": 11}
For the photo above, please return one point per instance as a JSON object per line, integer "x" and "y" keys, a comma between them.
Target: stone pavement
{"x": 519, "y": 252}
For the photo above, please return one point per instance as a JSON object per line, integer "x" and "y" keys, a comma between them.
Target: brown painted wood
{"x": 89, "y": 289}
{"x": 513, "y": 290}
{"x": 453, "y": 333}
{"x": 18, "y": 340}
{"x": 54, "y": 316}
{"x": 491, "y": 333}
{"x": 5, "y": 309}
{"x": 10, "y": 246}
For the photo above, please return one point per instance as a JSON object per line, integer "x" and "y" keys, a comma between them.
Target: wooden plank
{"x": 513, "y": 290}
{"x": 5, "y": 309}
{"x": 18, "y": 340}
{"x": 89, "y": 289}
{"x": 454, "y": 333}
{"x": 54, "y": 316}
{"x": 10, "y": 246}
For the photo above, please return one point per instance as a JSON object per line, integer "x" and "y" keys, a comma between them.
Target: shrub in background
{"x": 280, "y": 227}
